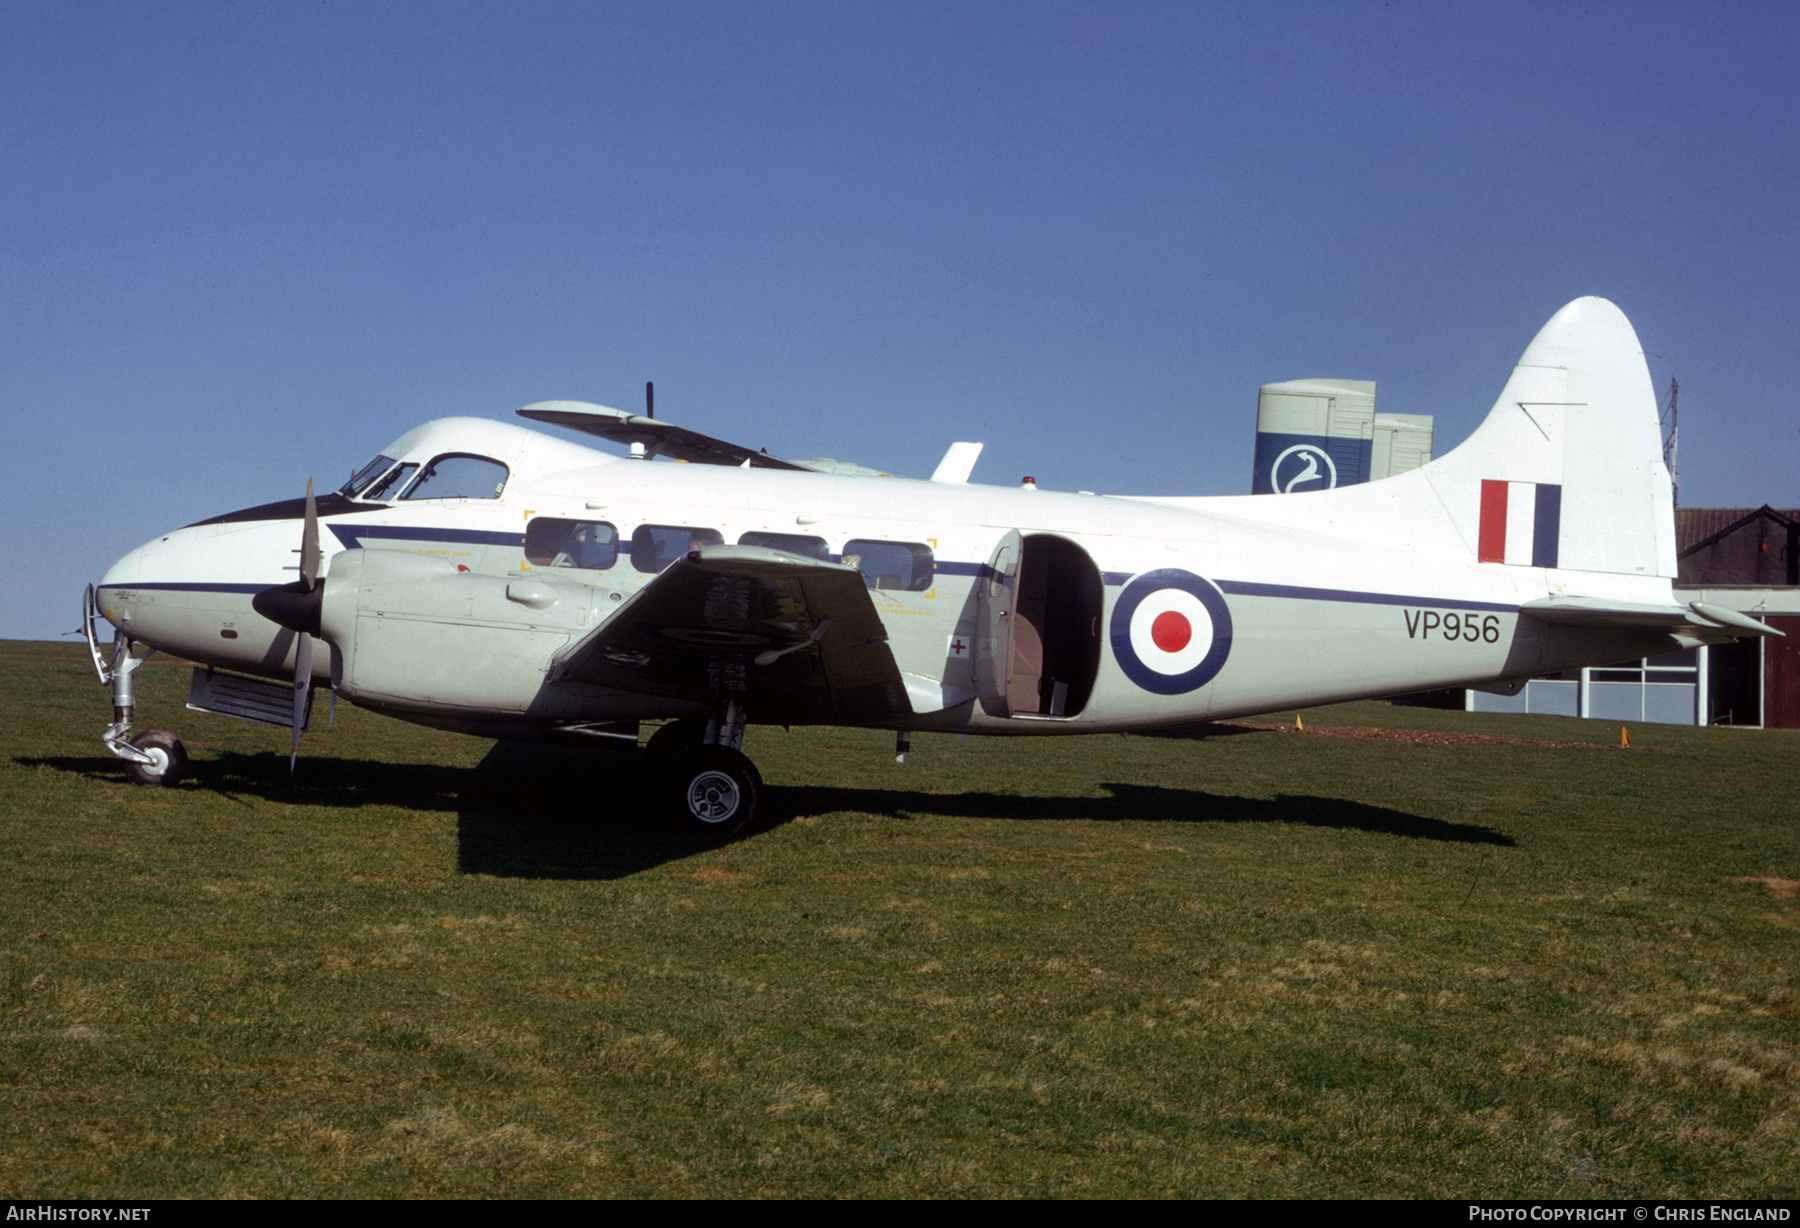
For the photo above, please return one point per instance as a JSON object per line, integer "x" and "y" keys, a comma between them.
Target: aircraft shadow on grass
{"x": 553, "y": 812}
{"x": 515, "y": 835}
{"x": 1201, "y": 732}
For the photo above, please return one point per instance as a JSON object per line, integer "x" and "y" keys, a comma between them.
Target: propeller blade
{"x": 309, "y": 541}
{"x": 296, "y": 606}
{"x": 649, "y": 399}
{"x": 302, "y": 685}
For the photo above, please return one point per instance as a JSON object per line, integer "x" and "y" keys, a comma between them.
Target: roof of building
{"x": 1757, "y": 547}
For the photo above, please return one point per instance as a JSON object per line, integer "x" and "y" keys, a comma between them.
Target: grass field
{"x": 1253, "y": 963}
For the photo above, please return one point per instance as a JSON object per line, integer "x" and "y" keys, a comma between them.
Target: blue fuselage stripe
{"x": 185, "y": 586}
{"x": 352, "y": 535}
{"x": 1293, "y": 592}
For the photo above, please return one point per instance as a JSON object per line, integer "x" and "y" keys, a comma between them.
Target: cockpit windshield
{"x": 390, "y": 483}
{"x": 454, "y": 475}
{"x": 460, "y": 476}
{"x": 362, "y": 477}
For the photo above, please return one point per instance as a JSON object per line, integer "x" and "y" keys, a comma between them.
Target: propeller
{"x": 297, "y": 607}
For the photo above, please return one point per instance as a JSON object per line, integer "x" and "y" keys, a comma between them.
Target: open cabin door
{"x": 993, "y": 643}
{"x": 1039, "y": 649}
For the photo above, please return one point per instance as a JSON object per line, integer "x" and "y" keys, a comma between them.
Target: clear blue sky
{"x": 246, "y": 243}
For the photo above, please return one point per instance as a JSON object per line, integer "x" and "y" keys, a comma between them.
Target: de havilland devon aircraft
{"x": 491, "y": 579}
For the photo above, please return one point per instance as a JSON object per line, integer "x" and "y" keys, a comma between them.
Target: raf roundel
{"x": 1171, "y": 631}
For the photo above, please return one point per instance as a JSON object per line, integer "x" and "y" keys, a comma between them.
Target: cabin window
{"x": 655, "y": 546}
{"x": 365, "y": 476}
{"x": 391, "y": 483}
{"x": 792, "y": 543}
{"x": 457, "y": 476}
{"x": 592, "y": 545}
{"x": 902, "y": 565}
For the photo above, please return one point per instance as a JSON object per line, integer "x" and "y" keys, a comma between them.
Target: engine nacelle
{"x": 412, "y": 632}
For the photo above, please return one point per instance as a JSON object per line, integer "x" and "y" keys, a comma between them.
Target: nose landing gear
{"x": 155, "y": 756}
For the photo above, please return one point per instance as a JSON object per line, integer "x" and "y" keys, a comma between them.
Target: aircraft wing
{"x": 659, "y": 438}
{"x": 796, "y": 640}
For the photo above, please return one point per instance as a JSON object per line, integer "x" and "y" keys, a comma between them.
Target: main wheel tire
{"x": 668, "y": 744}
{"x": 714, "y": 791}
{"x": 168, "y": 759}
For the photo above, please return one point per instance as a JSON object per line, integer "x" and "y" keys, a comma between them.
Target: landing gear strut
{"x": 155, "y": 756}
{"x": 710, "y": 786}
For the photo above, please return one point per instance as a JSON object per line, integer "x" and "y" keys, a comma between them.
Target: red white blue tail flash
{"x": 1521, "y": 523}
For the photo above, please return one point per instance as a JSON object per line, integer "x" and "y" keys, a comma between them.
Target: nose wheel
{"x": 164, "y": 760}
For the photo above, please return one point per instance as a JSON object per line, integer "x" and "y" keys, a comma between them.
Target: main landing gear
{"x": 155, "y": 756}
{"x": 709, "y": 786}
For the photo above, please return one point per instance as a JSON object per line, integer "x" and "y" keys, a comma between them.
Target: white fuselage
{"x": 1145, "y": 612}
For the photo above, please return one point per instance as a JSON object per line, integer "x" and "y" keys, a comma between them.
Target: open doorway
{"x": 1055, "y": 649}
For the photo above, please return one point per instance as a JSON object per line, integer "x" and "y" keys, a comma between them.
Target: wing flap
{"x": 796, "y": 640}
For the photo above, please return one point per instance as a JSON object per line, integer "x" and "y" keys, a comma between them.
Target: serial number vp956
{"x": 1450, "y": 625}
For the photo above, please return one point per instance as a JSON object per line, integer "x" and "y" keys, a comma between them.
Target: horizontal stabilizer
{"x": 1732, "y": 618}
{"x": 1597, "y": 613}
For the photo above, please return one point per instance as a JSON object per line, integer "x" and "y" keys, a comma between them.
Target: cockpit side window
{"x": 389, "y": 484}
{"x": 459, "y": 476}
{"x": 367, "y": 474}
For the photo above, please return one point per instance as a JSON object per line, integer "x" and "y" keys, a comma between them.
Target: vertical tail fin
{"x": 1567, "y": 471}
